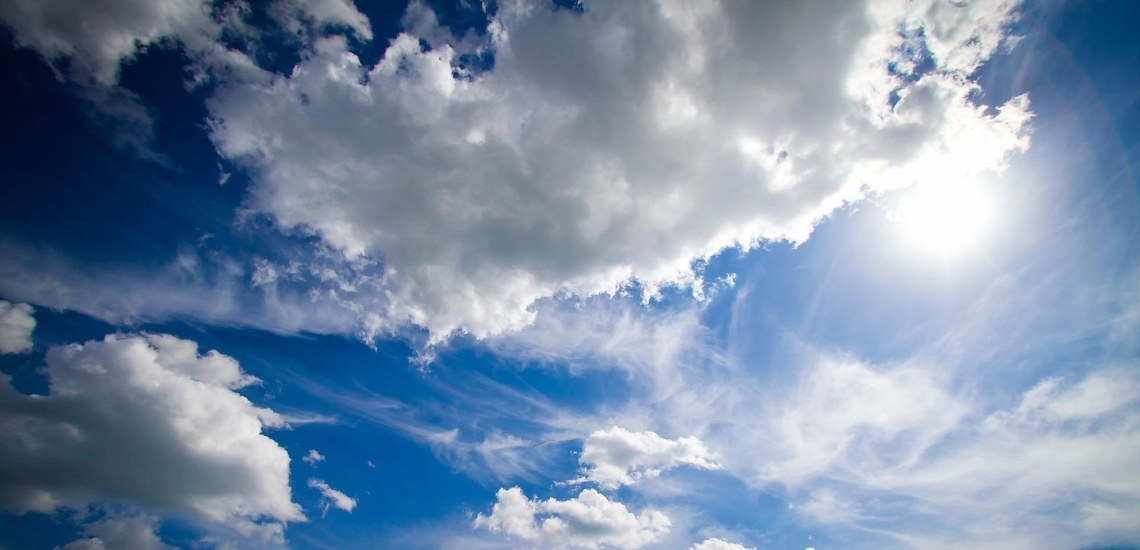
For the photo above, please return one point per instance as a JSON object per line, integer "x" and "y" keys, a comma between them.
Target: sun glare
{"x": 945, "y": 219}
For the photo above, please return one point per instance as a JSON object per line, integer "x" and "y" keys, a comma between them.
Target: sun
{"x": 944, "y": 219}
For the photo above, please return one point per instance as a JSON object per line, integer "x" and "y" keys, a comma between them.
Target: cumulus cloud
{"x": 718, "y": 544}
{"x": 313, "y": 457}
{"x": 621, "y": 142}
{"x": 616, "y": 457}
{"x": 16, "y": 326}
{"x": 331, "y": 497}
{"x": 589, "y": 521}
{"x": 119, "y": 533}
{"x": 148, "y": 420}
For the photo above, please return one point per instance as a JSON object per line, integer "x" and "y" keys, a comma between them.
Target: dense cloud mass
{"x": 605, "y": 147}
{"x": 615, "y": 457}
{"x": 148, "y": 420}
{"x": 622, "y": 142}
{"x": 16, "y": 326}
{"x": 589, "y": 521}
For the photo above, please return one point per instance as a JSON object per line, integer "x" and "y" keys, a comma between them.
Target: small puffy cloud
{"x": 589, "y": 521}
{"x": 148, "y": 420}
{"x": 616, "y": 457}
{"x": 313, "y": 457}
{"x": 331, "y": 497}
{"x": 16, "y": 326}
{"x": 718, "y": 544}
{"x": 119, "y": 533}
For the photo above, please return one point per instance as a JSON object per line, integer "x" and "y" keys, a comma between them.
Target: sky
{"x": 660, "y": 274}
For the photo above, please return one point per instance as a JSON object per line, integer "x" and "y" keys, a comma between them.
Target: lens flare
{"x": 946, "y": 220}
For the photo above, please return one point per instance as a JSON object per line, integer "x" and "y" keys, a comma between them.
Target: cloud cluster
{"x": 588, "y": 521}
{"x": 16, "y": 326}
{"x": 616, "y": 457}
{"x": 148, "y": 420}
{"x": 616, "y": 144}
{"x": 621, "y": 142}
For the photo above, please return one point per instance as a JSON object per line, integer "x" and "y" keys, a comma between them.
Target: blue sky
{"x": 668, "y": 274}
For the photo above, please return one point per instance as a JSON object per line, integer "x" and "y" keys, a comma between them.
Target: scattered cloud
{"x": 588, "y": 521}
{"x": 146, "y": 419}
{"x": 331, "y": 497}
{"x": 16, "y": 326}
{"x": 313, "y": 457}
{"x": 615, "y": 457}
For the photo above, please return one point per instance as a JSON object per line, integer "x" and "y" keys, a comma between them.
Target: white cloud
{"x": 148, "y": 420}
{"x": 97, "y": 35}
{"x": 572, "y": 167}
{"x": 313, "y": 457}
{"x": 848, "y": 411}
{"x": 718, "y": 544}
{"x": 292, "y": 14}
{"x": 588, "y": 521}
{"x": 616, "y": 457}
{"x": 569, "y": 167}
{"x": 332, "y": 497}
{"x": 119, "y": 533}
{"x": 205, "y": 285}
{"x": 16, "y": 326}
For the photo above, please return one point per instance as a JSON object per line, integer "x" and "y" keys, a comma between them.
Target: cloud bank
{"x": 601, "y": 148}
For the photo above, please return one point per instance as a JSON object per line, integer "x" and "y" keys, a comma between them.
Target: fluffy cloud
{"x": 718, "y": 544}
{"x": 622, "y": 142}
{"x": 16, "y": 326}
{"x": 148, "y": 420}
{"x": 332, "y": 497}
{"x": 588, "y": 521}
{"x": 617, "y": 457}
{"x": 119, "y": 533}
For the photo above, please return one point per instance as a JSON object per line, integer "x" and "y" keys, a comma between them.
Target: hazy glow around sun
{"x": 945, "y": 219}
